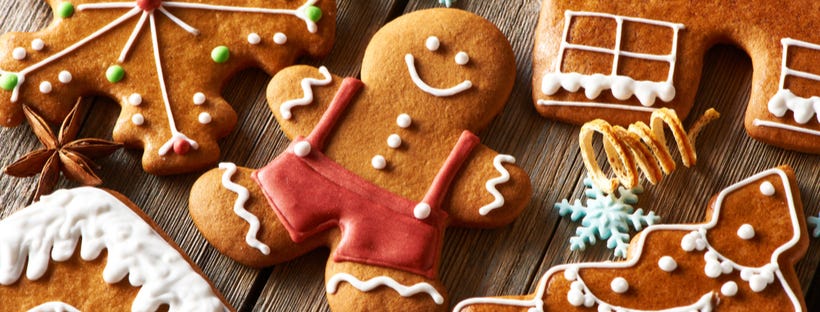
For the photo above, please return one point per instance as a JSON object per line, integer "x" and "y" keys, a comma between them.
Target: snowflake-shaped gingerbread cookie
{"x": 164, "y": 62}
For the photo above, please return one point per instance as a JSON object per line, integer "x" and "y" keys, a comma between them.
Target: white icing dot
{"x": 394, "y": 141}
{"x": 575, "y": 297}
{"x": 38, "y": 44}
{"x": 746, "y": 231}
{"x": 378, "y": 162}
{"x": 462, "y": 58}
{"x": 619, "y": 285}
{"x": 19, "y": 53}
{"x": 432, "y": 43}
{"x": 64, "y": 77}
{"x": 422, "y": 211}
{"x": 45, "y": 87}
{"x": 205, "y": 118}
{"x": 713, "y": 269}
{"x": 135, "y": 99}
{"x": 254, "y": 38}
{"x": 404, "y": 121}
{"x": 757, "y": 283}
{"x": 766, "y": 188}
{"x": 280, "y": 38}
{"x": 199, "y": 98}
{"x": 667, "y": 264}
{"x": 138, "y": 119}
{"x": 571, "y": 274}
{"x": 302, "y": 148}
{"x": 729, "y": 289}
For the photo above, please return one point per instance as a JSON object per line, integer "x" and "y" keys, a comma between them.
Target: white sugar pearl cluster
{"x": 693, "y": 240}
{"x": 759, "y": 278}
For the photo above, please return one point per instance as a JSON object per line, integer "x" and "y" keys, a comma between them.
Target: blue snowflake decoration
{"x": 815, "y": 221}
{"x": 606, "y": 217}
{"x": 447, "y": 3}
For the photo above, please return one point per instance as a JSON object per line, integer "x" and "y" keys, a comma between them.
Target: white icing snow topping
{"x": 622, "y": 87}
{"x": 803, "y": 108}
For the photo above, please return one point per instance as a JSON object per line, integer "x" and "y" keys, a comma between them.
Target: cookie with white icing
{"x": 621, "y": 60}
{"x": 378, "y": 167}
{"x": 163, "y": 61}
{"x": 741, "y": 259}
{"x": 88, "y": 249}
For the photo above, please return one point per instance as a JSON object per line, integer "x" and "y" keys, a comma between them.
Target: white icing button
{"x": 19, "y": 53}
{"x": 422, "y": 211}
{"x": 462, "y": 58}
{"x": 667, "y": 264}
{"x": 205, "y": 118}
{"x": 280, "y": 38}
{"x": 254, "y": 38}
{"x": 199, "y": 98}
{"x": 64, "y": 77}
{"x": 729, "y": 289}
{"x": 302, "y": 148}
{"x": 138, "y": 119}
{"x": 135, "y": 99}
{"x": 394, "y": 141}
{"x": 45, "y": 87}
{"x": 38, "y": 44}
{"x": 746, "y": 231}
{"x": 432, "y": 43}
{"x": 404, "y": 121}
{"x": 378, "y": 162}
{"x": 619, "y": 285}
{"x": 766, "y": 188}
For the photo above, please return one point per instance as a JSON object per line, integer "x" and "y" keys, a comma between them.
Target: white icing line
{"x": 414, "y": 75}
{"x": 307, "y": 88}
{"x": 132, "y": 38}
{"x": 492, "y": 184}
{"x": 95, "y": 220}
{"x": 242, "y": 196}
{"x": 597, "y": 105}
{"x": 299, "y": 12}
{"x": 375, "y": 282}
{"x": 771, "y": 124}
{"x": 107, "y": 5}
{"x": 538, "y": 305}
{"x": 54, "y": 306}
{"x": 179, "y": 22}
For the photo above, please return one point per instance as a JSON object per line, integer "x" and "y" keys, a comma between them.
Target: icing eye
{"x": 462, "y": 58}
{"x": 432, "y": 43}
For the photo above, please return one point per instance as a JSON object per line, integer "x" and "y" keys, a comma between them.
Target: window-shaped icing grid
{"x": 803, "y": 55}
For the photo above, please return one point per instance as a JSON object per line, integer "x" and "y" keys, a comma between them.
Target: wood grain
{"x": 508, "y": 260}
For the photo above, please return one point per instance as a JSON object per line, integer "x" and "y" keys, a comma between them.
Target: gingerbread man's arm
{"x": 489, "y": 191}
{"x": 299, "y": 95}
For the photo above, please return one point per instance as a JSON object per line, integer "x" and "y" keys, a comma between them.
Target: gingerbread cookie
{"x": 169, "y": 95}
{"x": 620, "y": 61}
{"x": 378, "y": 168}
{"x": 59, "y": 242}
{"x": 741, "y": 259}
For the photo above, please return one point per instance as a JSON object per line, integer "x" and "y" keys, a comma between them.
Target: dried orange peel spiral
{"x": 640, "y": 146}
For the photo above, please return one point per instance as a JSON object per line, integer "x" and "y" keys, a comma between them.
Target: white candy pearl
{"x": 729, "y": 289}
{"x": 432, "y": 43}
{"x": 199, "y": 98}
{"x": 302, "y": 148}
{"x": 766, "y": 188}
{"x": 45, "y": 87}
{"x": 404, "y": 121}
{"x": 135, "y": 99}
{"x": 19, "y": 53}
{"x": 138, "y": 119}
{"x": 462, "y": 58}
{"x": 422, "y": 211}
{"x": 205, "y": 118}
{"x": 619, "y": 285}
{"x": 65, "y": 77}
{"x": 38, "y": 44}
{"x": 394, "y": 141}
{"x": 746, "y": 231}
{"x": 378, "y": 162}
{"x": 280, "y": 38}
{"x": 667, "y": 264}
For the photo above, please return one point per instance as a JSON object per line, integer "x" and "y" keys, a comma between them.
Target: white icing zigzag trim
{"x": 242, "y": 196}
{"x": 803, "y": 108}
{"x": 493, "y": 183}
{"x": 375, "y": 282}
{"x": 52, "y": 228}
{"x": 307, "y": 88}
{"x": 622, "y": 87}
{"x": 54, "y": 306}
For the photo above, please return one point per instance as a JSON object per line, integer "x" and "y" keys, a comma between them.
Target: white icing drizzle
{"x": 771, "y": 124}
{"x": 52, "y": 229}
{"x": 299, "y": 12}
{"x": 307, "y": 88}
{"x": 414, "y": 75}
{"x": 537, "y": 305}
{"x": 596, "y": 105}
{"x": 492, "y": 184}
{"x": 373, "y": 283}
{"x": 622, "y": 87}
{"x": 54, "y": 306}
{"x": 784, "y": 100}
{"x": 242, "y": 196}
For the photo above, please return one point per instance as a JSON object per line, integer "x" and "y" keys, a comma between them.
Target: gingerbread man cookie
{"x": 741, "y": 259}
{"x": 78, "y": 247}
{"x": 620, "y": 61}
{"x": 169, "y": 95}
{"x": 378, "y": 168}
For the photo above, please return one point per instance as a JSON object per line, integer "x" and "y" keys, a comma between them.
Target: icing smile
{"x": 414, "y": 75}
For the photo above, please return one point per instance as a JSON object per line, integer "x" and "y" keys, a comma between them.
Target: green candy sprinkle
{"x": 8, "y": 82}
{"x": 313, "y": 13}
{"x": 115, "y": 73}
{"x": 220, "y": 54}
{"x": 65, "y": 10}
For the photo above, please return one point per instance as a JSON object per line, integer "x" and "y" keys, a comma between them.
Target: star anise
{"x": 61, "y": 153}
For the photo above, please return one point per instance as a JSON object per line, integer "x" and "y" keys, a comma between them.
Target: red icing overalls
{"x": 311, "y": 193}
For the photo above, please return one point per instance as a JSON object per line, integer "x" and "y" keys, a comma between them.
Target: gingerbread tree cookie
{"x": 169, "y": 94}
{"x": 378, "y": 167}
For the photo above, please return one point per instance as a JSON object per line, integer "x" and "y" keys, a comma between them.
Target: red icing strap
{"x": 441, "y": 184}
{"x": 350, "y": 87}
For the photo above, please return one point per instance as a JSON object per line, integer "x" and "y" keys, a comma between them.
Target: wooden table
{"x": 508, "y": 260}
